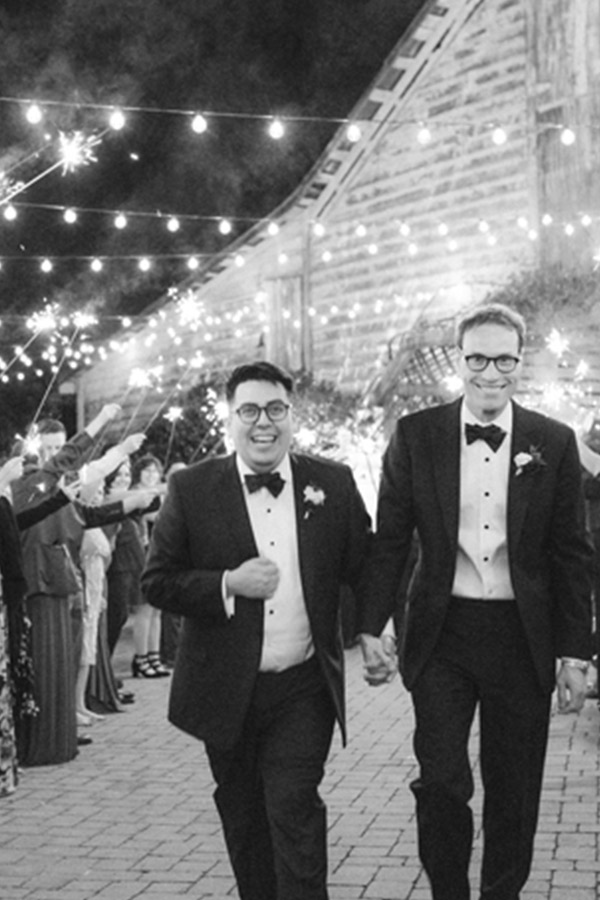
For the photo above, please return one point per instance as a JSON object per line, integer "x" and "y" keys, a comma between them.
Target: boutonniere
{"x": 313, "y": 498}
{"x": 530, "y": 462}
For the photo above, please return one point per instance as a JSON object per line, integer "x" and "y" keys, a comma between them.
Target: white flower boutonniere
{"x": 529, "y": 462}
{"x": 313, "y": 498}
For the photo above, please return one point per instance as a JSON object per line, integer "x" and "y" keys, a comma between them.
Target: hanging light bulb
{"x": 199, "y": 124}
{"x": 273, "y": 229}
{"x": 318, "y": 229}
{"x": 34, "y": 114}
{"x": 10, "y": 213}
{"x": 96, "y": 265}
{"x": 499, "y": 136}
{"x": 192, "y": 263}
{"x": 120, "y": 221}
{"x": 423, "y": 134}
{"x": 567, "y": 137}
{"x": 173, "y": 224}
{"x": 144, "y": 264}
{"x": 117, "y": 120}
{"x": 225, "y": 226}
{"x": 46, "y": 265}
{"x": 353, "y": 133}
{"x": 70, "y": 216}
{"x": 276, "y": 129}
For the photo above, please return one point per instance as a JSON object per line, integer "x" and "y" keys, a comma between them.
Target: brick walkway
{"x": 132, "y": 816}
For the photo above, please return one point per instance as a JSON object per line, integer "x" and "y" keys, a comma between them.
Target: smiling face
{"x": 50, "y": 443}
{"x": 262, "y": 445}
{"x": 122, "y": 479}
{"x": 487, "y": 393}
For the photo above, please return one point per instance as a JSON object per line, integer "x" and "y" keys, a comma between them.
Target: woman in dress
{"x": 147, "y": 619}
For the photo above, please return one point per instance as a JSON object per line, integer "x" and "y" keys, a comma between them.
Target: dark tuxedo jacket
{"x": 548, "y": 550}
{"x": 202, "y": 529}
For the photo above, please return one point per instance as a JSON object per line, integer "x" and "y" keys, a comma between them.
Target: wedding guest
{"x": 147, "y": 474}
{"x": 50, "y": 552}
{"x": 251, "y": 550}
{"x": 17, "y": 701}
{"x": 94, "y": 558}
{"x": 170, "y": 624}
{"x": 502, "y": 588}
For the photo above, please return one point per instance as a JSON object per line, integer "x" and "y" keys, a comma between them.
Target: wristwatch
{"x": 573, "y": 663}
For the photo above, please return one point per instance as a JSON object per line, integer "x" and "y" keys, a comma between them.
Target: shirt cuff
{"x": 228, "y": 599}
{"x": 574, "y": 663}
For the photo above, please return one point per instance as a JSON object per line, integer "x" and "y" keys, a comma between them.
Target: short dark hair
{"x": 257, "y": 371}
{"x": 50, "y": 426}
{"x": 491, "y": 314}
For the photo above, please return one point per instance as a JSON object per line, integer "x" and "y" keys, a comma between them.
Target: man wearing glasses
{"x": 252, "y": 549}
{"x": 497, "y": 612}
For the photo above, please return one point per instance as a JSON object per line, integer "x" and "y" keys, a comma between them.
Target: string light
{"x": 199, "y": 124}
{"x": 34, "y": 114}
{"x": 276, "y": 129}
{"x": 499, "y": 136}
{"x": 70, "y": 216}
{"x": 117, "y": 120}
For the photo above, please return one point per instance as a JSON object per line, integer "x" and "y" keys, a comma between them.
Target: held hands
{"x": 256, "y": 578}
{"x": 379, "y": 658}
{"x": 571, "y": 686}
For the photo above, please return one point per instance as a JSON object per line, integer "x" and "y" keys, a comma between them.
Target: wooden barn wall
{"x": 460, "y": 180}
{"x": 337, "y": 302}
{"x": 564, "y": 39}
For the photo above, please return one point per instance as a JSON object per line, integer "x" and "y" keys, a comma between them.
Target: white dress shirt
{"x": 287, "y": 637}
{"x": 482, "y": 569}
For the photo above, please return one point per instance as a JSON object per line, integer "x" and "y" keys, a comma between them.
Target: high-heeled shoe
{"x": 141, "y": 667}
{"x": 154, "y": 660}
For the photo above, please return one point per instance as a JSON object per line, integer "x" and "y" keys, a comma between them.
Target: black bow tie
{"x": 271, "y": 480}
{"x": 493, "y": 435}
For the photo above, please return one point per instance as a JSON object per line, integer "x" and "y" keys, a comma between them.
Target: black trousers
{"x": 273, "y": 818}
{"x": 482, "y": 659}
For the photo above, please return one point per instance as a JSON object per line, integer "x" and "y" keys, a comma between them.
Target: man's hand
{"x": 256, "y": 578}
{"x": 379, "y": 659}
{"x": 571, "y": 686}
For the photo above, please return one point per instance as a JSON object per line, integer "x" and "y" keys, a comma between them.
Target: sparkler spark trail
{"x": 76, "y": 150}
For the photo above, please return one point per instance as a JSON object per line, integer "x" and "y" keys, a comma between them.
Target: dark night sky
{"x": 309, "y": 58}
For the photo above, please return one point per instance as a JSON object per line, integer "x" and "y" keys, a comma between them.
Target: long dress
{"x": 102, "y": 688}
{"x": 8, "y": 744}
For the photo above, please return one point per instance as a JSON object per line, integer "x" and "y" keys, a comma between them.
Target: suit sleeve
{"x": 393, "y": 539}
{"x": 169, "y": 581}
{"x": 570, "y": 560}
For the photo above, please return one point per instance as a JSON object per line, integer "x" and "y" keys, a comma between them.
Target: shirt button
{"x": 486, "y": 527}
{"x": 487, "y": 459}
{"x": 486, "y": 559}
{"x": 271, "y": 611}
{"x": 486, "y": 493}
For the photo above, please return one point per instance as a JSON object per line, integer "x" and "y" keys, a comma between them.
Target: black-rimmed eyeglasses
{"x": 276, "y": 411}
{"x": 505, "y": 364}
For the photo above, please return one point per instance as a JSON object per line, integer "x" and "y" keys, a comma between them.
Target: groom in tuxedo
{"x": 498, "y": 609}
{"x": 252, "y": 550}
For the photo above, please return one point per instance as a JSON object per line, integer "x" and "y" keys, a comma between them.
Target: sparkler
{"x": 74, "y": 150}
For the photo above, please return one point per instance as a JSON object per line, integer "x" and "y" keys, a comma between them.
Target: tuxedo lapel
{"x": 445, "y": 439}
{"x": 232, "y": 507}
{"x": 527, "y": 437}
{"x": 307, "y": 525}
